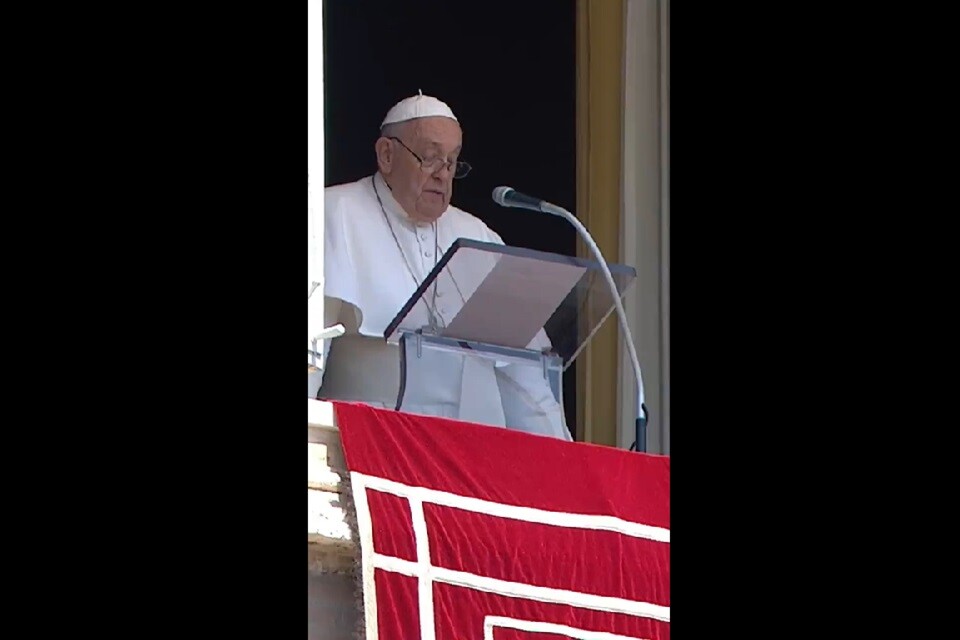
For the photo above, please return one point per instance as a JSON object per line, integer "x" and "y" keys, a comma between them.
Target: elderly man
{"x": 383, "y": 235}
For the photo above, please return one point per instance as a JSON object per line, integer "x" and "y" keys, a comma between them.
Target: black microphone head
{"x": 500, "y": 195}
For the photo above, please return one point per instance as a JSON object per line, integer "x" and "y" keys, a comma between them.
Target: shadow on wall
{"x": 332, "y": 609}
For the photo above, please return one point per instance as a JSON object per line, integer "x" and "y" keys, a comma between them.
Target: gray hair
{"x": 393, "y": 129}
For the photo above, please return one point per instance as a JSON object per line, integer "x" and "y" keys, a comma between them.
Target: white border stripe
{"x": 526, "y": 514}
{"x": 424, "y": 583}
{"x": 520, "y": 590}
{"x": 365, "y": 531}
{"x": 490, "y": 622}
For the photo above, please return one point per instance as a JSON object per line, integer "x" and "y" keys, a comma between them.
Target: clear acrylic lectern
{"x": 502, "y": 308}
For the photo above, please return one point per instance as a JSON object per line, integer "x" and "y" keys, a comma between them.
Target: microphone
{"x": 509, "y": 197}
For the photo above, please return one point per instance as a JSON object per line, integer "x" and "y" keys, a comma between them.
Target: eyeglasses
{"x": 432, "y": 165}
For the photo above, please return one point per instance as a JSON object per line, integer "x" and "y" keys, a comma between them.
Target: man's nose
{"x": 442, "y": 178}
{"x": 445, "y": 171}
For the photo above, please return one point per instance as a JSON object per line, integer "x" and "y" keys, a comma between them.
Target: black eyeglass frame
{"x": 461, "y": 171}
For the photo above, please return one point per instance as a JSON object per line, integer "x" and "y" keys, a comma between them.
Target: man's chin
{"x": 432, "y": 210}
{"x": 430, "y": 216}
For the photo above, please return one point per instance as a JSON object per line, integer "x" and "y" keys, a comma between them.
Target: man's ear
{"x": 384, "y": 155}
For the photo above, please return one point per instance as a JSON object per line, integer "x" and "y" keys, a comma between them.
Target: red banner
{"x": 468, "y": 531}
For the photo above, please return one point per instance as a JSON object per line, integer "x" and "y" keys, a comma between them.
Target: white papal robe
{"x": 367, "y": 282}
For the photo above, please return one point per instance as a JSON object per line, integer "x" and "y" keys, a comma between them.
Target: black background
{"x": 515, "y": 98}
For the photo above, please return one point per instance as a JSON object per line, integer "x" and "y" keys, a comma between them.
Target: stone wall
{"x": 333, "y": 594}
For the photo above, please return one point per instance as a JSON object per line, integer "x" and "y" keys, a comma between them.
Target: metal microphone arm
{"x": 641, "y": 420}
{"x": 327, "y": 333}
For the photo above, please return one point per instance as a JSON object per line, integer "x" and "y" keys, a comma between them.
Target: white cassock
{"x": 367, "y": 282}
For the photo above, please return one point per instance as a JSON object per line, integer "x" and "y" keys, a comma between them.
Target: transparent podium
{"x": 516, "y": 318}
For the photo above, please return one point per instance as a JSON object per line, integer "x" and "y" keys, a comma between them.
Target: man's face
{"x": 423, "y": 193}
